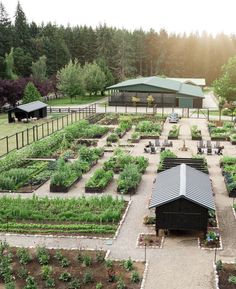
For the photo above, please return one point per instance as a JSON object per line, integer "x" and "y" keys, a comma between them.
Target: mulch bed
{"x": 228, "y": 270}
{"x": 149, "y": 240}
{"x": 76, "y": 268}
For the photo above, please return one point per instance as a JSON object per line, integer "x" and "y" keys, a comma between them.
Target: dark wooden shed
{"x": 35, "y": 109}
{"x": 182, "y": 197}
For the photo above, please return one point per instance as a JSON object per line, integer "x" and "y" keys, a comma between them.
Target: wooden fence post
{"x": 27, "y": 136}
{"x": 17, "y": 141}
{"x": 7, "y": 144}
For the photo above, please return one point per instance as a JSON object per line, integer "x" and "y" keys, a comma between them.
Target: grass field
{"x": 11, "y": 128}
{"x": 66, "y": 101}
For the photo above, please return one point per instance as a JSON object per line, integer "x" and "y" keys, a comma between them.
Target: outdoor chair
{"x": 147, "y": 150}
{"x": 209, "y": 144}
{"x": 157, "y": 142}
{"x": 219, "y": 151}
{"x": 200, "y": 151}
{"x": 171, "y": 144}
{"x": 201, "y": 144}
{"x": 209, "y": 150}
{"x": 162, "y": 149}
{"x": 153, "y": 150}
{"x": 217, "y": 145}
{"x": 165, "y": 143}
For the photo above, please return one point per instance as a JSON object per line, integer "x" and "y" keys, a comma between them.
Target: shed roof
{"x": 182, "y": 182}
{"x": 195, "y": 81}
{"x": 160, "y": 82}
{"x": 32, "y": 106}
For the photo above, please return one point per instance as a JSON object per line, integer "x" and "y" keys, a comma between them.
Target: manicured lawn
{"x": 11, "y": 128}
{"x": 66, "y": 101}
{"x": 8, "y": 129}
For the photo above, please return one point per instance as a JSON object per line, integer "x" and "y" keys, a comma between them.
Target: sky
{"x": 179, "y": 16}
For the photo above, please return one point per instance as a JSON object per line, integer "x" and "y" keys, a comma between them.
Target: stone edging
{"x": 144, "y": 275}
{"x": 122, "y": 220}
{"x": 56, "y": 236}
{"x": 149, "y": 247}
{"x": 216, "y": 276}
{"x": 75, "y": 237}
{"x": 211, "y": 249}
{"x": 234, "y": 213}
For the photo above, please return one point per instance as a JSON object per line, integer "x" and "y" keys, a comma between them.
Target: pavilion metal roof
{"x": 156, "y": 82}
{"x": 182, "y": 182}
{"x": 32, "y": 106}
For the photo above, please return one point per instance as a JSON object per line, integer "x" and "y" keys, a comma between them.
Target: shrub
{"x": 24, "y": 256}
{"x": 88, "y": 277}
{"x": 128, "y": 265}
{"x": 75, "y": 284}
{"x": 99, "y": 285}
{"x": 129, "y": 179}
{"x": 108, "y": 263}
{"x": 135, "y": 278}
{"x": 10, "y": 285}
{"x": 87, "y": 260}
{"x": 50, "y": 283}
{"x": 100, "y": 257}
{"x": 46, "y": 272}
{"x": 121, "y": 284}
{"x": 232, "y": 279}
{"x": 64, "y": 262}
{"x": 135, "y": 135}
{"x": 219, "y": 265}
{"x": 30, "y": 283}
{"x": 113, "y": 137}
{"x": 65, "y": 277}
{"x": 100, "y": 179}
{"x": 174, "y": 132}
{"x": 23, "y": 273}
{"x": 42, "y": 255}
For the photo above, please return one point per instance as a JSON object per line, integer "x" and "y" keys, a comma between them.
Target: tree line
{"x": 119, "y": 53}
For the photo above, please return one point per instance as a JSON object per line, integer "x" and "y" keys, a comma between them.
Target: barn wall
{"x": 181, "y": 215}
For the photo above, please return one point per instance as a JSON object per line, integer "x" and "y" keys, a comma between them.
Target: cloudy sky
{"x": 179, "y": 16}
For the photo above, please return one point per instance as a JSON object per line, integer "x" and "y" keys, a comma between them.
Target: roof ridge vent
{"x": 182, "y": 189}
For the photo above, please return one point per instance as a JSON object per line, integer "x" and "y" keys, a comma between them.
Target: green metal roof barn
{"x": 166, "y": 92}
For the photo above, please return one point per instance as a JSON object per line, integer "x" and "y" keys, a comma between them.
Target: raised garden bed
{"x": 69, "y": 269}
{"x": 221, "y": 133}
{"x": 99, "y": 181}
{"x": 228, "y": 168}
{"x": 149, "y": 240}
{"x": 95, "y": 216}
{"x": 195, "y": 133}
{"x": 63, "y": 189}
{"x": 174, "y": 132}
{"x": 211, "y": 241}
{"x": 226, "y": 274}
{"x": 149, "y": 136}
{"x": 26, "y": 179}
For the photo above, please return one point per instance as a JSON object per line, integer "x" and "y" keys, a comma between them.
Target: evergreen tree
{"x": 30, "y": 93}
{"x": 22, "y": 62}
{"x": 9, "y": 61}
{"x": 22, "y": 33}
{"x": 94, "y": 78}
{"x": 5, "y": 31}
{"x": 70, "y": 80}
{"x": 39, "y": 68}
